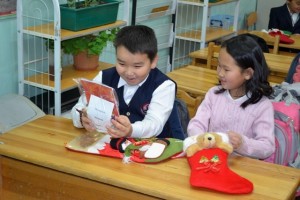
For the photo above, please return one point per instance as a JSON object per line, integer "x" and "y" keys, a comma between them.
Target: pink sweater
{"x": 220, "y": 113}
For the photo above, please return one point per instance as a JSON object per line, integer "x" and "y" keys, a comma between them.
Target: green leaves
{"x": 85, "y": 3}
{"x": 94, "y": 43}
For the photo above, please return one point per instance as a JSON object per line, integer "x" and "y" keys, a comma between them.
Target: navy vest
{"x": 138, "y": 106}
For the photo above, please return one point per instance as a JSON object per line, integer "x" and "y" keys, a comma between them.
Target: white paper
{"x": 100, "y": 112}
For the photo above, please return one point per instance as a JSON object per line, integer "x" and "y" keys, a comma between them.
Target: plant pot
{"x": 85, "y": 62}
{"x": 88, "y": 17}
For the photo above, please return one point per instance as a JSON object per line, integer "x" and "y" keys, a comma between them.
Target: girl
{"x": 239, "y": 105}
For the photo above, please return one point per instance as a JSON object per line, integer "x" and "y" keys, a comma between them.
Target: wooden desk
{"x": 197, "y": 80}
{"x": 194, "y": 80}
{"x": 295, "y": 45}
{"x": 212, "y": 34}
{"x": 276, "y": 63}
{"x": 36, "y": 165}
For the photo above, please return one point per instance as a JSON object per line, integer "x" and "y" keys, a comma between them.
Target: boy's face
{"x": 133, "y": 68}
{"x": 294, "y": 5}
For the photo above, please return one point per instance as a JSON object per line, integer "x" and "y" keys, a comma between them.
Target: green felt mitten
{"x": 150, "y": 150}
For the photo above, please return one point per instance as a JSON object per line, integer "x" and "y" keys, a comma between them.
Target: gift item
{"x": 142, "y": 150}
{"x": 284, "y": 38}
{"x": 207, "y": 157}
{"x": 149, "y": 150}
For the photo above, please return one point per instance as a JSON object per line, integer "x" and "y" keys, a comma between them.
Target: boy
{"x": 286, "y": 17}
{"x": 146, "y": 95}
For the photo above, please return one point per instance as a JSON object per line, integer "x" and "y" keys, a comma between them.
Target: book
{"x": 102, "y": 101}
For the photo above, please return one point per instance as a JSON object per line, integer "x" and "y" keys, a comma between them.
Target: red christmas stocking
{"x": 209, "y": 169}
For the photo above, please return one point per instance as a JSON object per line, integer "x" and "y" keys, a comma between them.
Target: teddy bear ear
{"x": 200, "y": 138}
{"x": 218, "y": 138}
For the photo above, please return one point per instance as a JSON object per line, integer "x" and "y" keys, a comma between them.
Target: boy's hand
{"x": 235, "y": 139}
{"x": 86, "y": 122}
{"x": 121, "y": 127}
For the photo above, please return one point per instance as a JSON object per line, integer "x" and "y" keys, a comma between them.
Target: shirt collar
{"x": 122, "y": 82}
{"x": 240, "y": 99}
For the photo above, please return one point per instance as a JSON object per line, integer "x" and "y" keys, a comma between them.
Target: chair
{"x": 191, "y": 102}
{"x": 212, "y": 59}
{"x": 270, "y": 40}
{"x": 251, "y": 19}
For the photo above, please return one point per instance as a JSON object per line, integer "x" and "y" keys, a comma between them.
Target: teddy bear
{"x": 206, "y": 141}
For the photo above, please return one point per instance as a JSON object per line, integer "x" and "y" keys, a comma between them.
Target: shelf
{"x": 47, "y": 30}
{"x": 211, "y": 34}
{"x": 155, "y": 10}
{"x": 199, "y": 3}
{"x": 68, "y": 74}
{"x": 193, "y": 30}
{"x": 38, "y": 23}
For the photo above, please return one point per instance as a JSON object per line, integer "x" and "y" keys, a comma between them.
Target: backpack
{"x": 287, "y": 138}
{"x": 292, "y": 70}
{"x": 183, "y": 115}
{"x": 286, "y": 103}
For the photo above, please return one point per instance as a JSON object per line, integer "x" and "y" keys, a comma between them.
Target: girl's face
{"x": 231, "y": 76}
{"x": 133, "y": 68}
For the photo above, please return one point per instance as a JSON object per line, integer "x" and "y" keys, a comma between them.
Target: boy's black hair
{"x": 247, "y": 54}
{"x": 137, "y": 39}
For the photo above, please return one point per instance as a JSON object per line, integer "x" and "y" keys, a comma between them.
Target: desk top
{"x": 276, "y": 63}
{"x": 295, "y": 45}
{"x": 42, "y": 141}
{"x": 193, "y": 79}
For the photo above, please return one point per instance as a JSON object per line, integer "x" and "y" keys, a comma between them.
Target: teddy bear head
{"x": 213, "y": 140}
{"x": 207, "y": 141}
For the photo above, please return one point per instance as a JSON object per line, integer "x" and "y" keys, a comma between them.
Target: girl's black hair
{"x": 247, "y": 54}
{"x": 137, "y": 39}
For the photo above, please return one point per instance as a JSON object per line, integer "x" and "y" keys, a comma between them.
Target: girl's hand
{"x": 235, "y": 139}
{"x": 121, "y": 127}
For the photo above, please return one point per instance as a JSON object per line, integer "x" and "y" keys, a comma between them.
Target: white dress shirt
{"x": 294, "y": 16}
{"x": 158, "y": 112}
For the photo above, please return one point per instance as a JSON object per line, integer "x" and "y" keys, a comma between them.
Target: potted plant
{"x": 87, "y": 49}
{"x": 78, "y": 15}
{"x": 85, "y": 3}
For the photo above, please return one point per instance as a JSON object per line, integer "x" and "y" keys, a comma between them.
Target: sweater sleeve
{"x": 260, "y": 141}
{"x": 200, "y": 122}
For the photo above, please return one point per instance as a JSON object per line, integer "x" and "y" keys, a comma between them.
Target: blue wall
{"x": 8, "y": 55}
